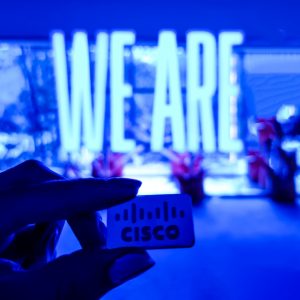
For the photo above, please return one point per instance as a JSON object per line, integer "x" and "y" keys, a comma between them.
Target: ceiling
{"x": 264, "y": 22}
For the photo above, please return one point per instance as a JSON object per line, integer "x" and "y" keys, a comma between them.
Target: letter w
{"x": 80, "y": 113}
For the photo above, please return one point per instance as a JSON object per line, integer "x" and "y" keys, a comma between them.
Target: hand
{"x": 34, "y": 202}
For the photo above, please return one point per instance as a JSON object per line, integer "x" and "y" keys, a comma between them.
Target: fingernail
{"x": 127, "y": 182}
{"x": 129, "y": 266}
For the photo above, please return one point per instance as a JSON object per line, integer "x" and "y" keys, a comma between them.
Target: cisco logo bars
{"x": 156, "y": 221}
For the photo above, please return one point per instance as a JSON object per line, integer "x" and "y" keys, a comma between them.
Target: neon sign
{"x": 81, "y": 114}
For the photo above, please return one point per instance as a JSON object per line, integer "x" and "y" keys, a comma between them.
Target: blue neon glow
{"x": 227, "y": 91}
{"x": 167, "y": 106}
{"x": 200, "y": 96}
{"x": 119, "y": 90}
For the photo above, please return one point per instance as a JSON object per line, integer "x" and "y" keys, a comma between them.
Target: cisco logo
{"x": 156, "y": 221}
{"x": 147, "y": 233}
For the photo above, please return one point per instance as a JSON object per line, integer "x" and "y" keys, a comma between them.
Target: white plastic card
{"x": 153, "y": 221}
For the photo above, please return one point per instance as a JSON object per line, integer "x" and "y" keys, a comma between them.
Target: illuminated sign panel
{"x": 82, "y": 115}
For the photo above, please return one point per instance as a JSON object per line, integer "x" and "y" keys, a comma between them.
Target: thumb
{"x": 89, "y": 274}
{"x": 83, "y": 275}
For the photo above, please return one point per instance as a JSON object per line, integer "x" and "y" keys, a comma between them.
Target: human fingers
{"x": 89, "y": 274}
{"x": 31, "y": 246}
{"x": 33, "y": 239}
{"x": 61, "y": 200}
{"x": 83, "y": 275}
{"x": 27, "y": 173}
{"x": 89, "y": 229}
{"x": 34, "y": 245}
{"x": 20, "y": 247}
{"x": 9, "y": 267}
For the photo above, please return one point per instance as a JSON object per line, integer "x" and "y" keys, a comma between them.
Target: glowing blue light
{"x": 199, "y": 96}
{"x": 227, "y": 90}
{"x": 119, "y": 90}
{"x": 167, "y": 105}
{"x": 79, "y": 111}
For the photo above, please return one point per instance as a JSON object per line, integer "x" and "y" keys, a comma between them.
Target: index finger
{"x": 61, "y": 199}
{"x": 27, "y": 173}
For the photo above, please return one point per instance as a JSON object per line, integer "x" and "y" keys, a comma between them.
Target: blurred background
{"x": 246, "y": 210}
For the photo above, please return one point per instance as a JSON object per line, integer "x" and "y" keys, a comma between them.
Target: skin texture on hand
{"x": 34, "y": 203}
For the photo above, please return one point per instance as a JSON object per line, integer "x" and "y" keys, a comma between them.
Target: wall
{"x": 263, "y": 21}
